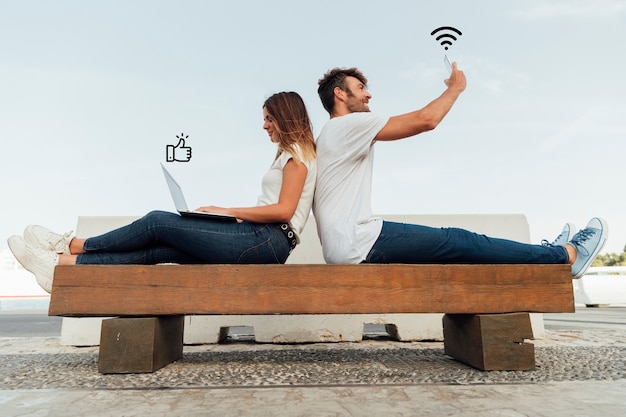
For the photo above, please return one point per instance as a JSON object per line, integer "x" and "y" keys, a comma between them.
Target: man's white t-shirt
{"x": 273, "y": 182}
{"x": 342, "y": 203}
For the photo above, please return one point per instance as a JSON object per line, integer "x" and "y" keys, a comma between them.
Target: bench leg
{"x": 138, "y": 345}
{"x": 490, "y": 342}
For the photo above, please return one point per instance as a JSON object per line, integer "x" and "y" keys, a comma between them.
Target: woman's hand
{"x": 217, "y": 210}
{"x": 213, "y": 209}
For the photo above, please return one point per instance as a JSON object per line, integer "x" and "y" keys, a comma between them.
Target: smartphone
{"x": 448, "y": 64}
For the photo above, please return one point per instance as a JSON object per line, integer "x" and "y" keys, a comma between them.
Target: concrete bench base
{"x": 601, "y": 286}
{"x": 201, "y": 330}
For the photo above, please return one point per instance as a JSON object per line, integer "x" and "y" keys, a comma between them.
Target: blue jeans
{"x": 162, "y": 237}
{"x": 415, "y": 244}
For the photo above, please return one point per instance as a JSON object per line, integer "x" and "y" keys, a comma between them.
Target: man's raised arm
{"x": 427, "y": 118}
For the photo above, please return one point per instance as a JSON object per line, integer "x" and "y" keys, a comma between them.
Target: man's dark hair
{"x": 336, "y": 77}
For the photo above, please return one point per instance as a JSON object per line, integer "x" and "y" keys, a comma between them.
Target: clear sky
{"x": 91, "y": 93}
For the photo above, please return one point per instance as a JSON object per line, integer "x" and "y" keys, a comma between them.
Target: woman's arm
{"x": 294, "y": 176}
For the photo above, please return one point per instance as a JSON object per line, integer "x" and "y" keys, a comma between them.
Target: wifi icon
{"x": 447, "y": 35}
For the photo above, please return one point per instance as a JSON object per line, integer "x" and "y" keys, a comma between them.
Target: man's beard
{"x": 355, "y": 106}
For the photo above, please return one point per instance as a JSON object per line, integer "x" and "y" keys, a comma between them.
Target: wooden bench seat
{"x": 155, "y": 298}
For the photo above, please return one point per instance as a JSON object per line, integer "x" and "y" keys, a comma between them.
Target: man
{"x": 351, "y": 234}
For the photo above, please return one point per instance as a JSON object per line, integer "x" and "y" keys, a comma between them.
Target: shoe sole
{"x": 605, "y": 237}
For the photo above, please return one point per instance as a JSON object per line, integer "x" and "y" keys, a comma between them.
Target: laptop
{"x": 181, "y": 206}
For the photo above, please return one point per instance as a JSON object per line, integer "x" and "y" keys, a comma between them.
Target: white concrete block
{"x": 279, "y": 328}
{"x": 412, "y": 327}
{"x": 83, "y": 331}
{"x": 201, "y": 330}
{"x": 601, "y": 286}
{"x": 536, "y": 323}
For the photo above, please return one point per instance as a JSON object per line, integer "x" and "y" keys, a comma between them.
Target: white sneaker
{"x": 36, "y": 260}
{"x": 43, "y": 238}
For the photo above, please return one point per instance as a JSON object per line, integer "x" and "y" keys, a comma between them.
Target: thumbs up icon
{"x": 180, "y": 152}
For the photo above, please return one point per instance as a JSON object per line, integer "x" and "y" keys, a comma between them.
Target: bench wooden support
{"x": 476, "y": 299}
{"x": 141, "y": 344}
{"x": 490, "y": 342}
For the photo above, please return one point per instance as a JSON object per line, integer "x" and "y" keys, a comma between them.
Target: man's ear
{"x": 339, "y": 93}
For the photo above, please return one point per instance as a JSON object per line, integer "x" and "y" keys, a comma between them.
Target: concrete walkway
{"x": 581, "y": 372}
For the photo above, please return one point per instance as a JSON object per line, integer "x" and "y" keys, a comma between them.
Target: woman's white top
{"x": 273, "y": 182}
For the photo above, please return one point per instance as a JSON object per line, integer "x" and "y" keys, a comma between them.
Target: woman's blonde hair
{"x": 293, "y": 129}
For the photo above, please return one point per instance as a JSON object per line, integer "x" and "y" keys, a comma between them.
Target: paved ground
{"x": 581, "y": 371}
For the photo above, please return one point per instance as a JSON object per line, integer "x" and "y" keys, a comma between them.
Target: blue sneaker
{"x": 588, "y": 242}
{"x": 563, "y": 238}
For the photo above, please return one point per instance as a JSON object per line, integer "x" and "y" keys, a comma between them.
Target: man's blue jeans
{"x": 162, "y": 237}
{"x": 415, "y": 244}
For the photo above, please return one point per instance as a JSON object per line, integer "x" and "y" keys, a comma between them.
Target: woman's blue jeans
{"x": 163, "y": 237}
{"x": 415, "y": 244}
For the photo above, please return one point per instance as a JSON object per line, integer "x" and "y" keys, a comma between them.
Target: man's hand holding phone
{"x": 446, "y": 60}
{"x": 457, "y": 78}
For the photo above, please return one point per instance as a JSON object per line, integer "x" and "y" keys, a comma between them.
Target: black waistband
{"x": 289, "y": 234}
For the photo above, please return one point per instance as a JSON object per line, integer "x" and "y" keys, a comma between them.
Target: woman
{"x": 265, "y": 233}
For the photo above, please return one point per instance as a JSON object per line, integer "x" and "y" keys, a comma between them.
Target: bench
{"x": 311, "y": 328}
{"x": 486, "y": 308}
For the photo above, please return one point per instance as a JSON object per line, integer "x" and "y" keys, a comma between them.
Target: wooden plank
{"x": 490, "y": 342}
{"x": 138, "y": 290}
{"x": 138, "y": 345}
